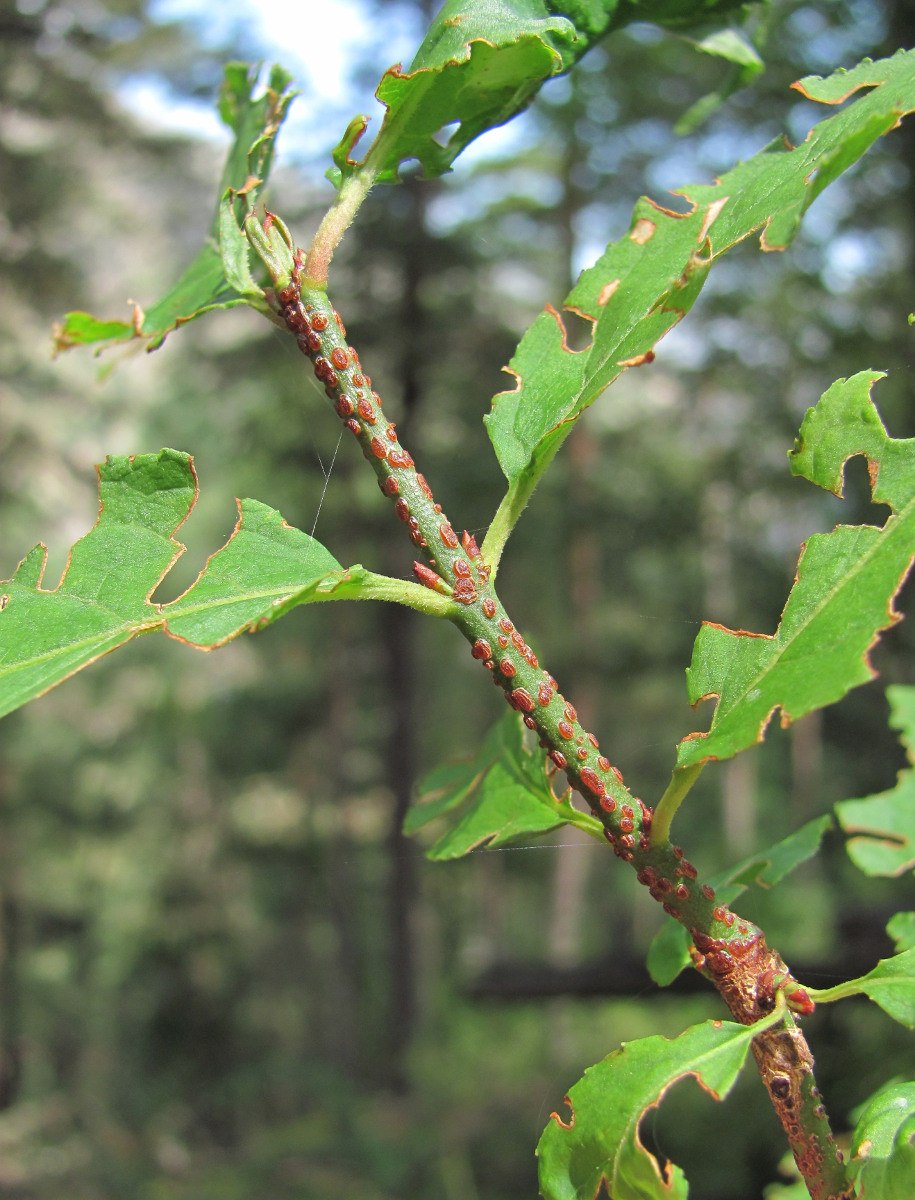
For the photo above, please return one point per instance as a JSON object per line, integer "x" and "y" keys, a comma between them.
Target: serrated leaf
{"x": 506, "y": 794}
{"x": 668, "y": 953}
{"x": 901, "y": 928}
{"x": 599, "y": 1143}
{"x": 103, "y": 599}
{"x": 644, "y": 283}
{"x": 883, "y": 1145}
{"x": 217, "y": 277}
{"x": 886, "y": 822}
{"x": 842, "y": 597}
{"x": 481, "y": 63}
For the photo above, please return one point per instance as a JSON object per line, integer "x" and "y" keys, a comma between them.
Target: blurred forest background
{"x": 223, "y": 973}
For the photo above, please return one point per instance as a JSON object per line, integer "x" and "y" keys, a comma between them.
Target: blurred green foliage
{"x": 223, "y": 975}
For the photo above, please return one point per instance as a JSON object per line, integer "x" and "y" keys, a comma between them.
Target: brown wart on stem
{"x": 734, "y": 957}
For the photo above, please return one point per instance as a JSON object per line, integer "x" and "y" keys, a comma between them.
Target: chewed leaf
{"x": 480, "y": 64}
{"x": 265, "y": 568}
{"x": 506, "y": 794}
{"x": 886, "y": 822}
{"x": 645, "y": 283}
{"x": 598, "y": 1142}
{"x": 668, "y": 953}
{"x": 842, "y": 596}
{"x": 883, "y": 1145}
{"x": 218, "y": 276}
{"x": 103, "y": 599}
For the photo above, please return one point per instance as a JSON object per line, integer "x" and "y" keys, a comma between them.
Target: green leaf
{"x": 218, "y": 276}
{"x": 103, "y": 599}
{"x": 82, "y": 329}
{"x": 507, "y": 794}
{"x": 599, "y": 1144}
{"x": 886, "y": 822}
{"x": 668, "y": 953}
{"x": 883, "y": 1145}
{"x": 265, "y": 568}
{"x": 891, "y": 984}
{"x": 644, "y": 283}
{"x": 842, "y": 596}
{"x": 482, "y": 62}
{"x": 901, "y": 929}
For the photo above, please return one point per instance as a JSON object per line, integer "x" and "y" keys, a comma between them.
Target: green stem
{"x": 681, "y": 780}
{"x": 730, "y": 951}
{"x": 400, "y": 591}
{"x": 336, "y": 221}
{"x": 500, "y": 529}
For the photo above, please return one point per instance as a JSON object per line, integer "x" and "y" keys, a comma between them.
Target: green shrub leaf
{"x": 482, "y": 62}
{"x": 901, "y": 929}
{"x": 883, "y": 1145}
{"x": 507, "y": 794}
{"x": 891, "y": 984}
{"x": 842, "y": 596}
{"x": 645, "y": 283}
{"x": 103, "y": 599}
{"x": 886, "y": 822}
{"x": 598, "y": 1143}
{"x": 208, "y": 283}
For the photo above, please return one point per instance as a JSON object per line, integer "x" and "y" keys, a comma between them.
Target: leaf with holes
{"x": 482, "y": 62}
{"x": 218, "y": 277}
{"x": 506, "y": 792}
{"x": 842, "y": 596}
{"x": 668, "y": 953}
{"x": 646, "y": 282}
{"x": 103, "y": 599}
{"x": 598, "y": 1142}
{"x": 883, "y": 826}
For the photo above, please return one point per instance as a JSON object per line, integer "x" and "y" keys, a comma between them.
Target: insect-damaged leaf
{"x": 103, "y": 598}
{"x": 644, "y": 283}
{"x": 842, "y": 596}
{"x": 598, "y": 1144}
{"x": 207, "y": 283}
{"x": 668, "y": 953}
{"x": 481, "y": 63}
{"x": 886, "y": 822}
{"x": 507, "y": 793}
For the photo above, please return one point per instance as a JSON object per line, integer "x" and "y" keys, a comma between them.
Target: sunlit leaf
{"x": 597, "y": 1143}
{"x": 644, "y": 283}
{"x": 883, "y": 1145}
{"x": 505, "y": 791}
{"x": 668, "y": 953}
{"x": 103, "y": 599}
{"x": 482, "y": 62}
{"x": 891, "y": 984}
{"x": 209, "y": 282}
{"x": 886, "y": 822}
{"x": 842, "y": 596}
